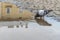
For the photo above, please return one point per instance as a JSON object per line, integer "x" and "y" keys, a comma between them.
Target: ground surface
{"x": 35, "y": 31}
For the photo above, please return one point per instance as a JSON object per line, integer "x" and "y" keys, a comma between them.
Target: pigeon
{"x": 42, "y": 13}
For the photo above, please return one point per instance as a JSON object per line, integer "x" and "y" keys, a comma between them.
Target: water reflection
{"x": 42, "y": 22}
{"x": 11, "y": 24}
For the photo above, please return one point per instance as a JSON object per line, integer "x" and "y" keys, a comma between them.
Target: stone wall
{"x": 48, "y": 4}
{"x": 40, "y": 4}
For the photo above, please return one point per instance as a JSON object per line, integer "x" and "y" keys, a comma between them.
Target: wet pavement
{"x": 14, "y": 22}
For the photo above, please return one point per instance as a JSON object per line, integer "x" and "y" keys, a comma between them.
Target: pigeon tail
{"x": 50, "y": 11}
